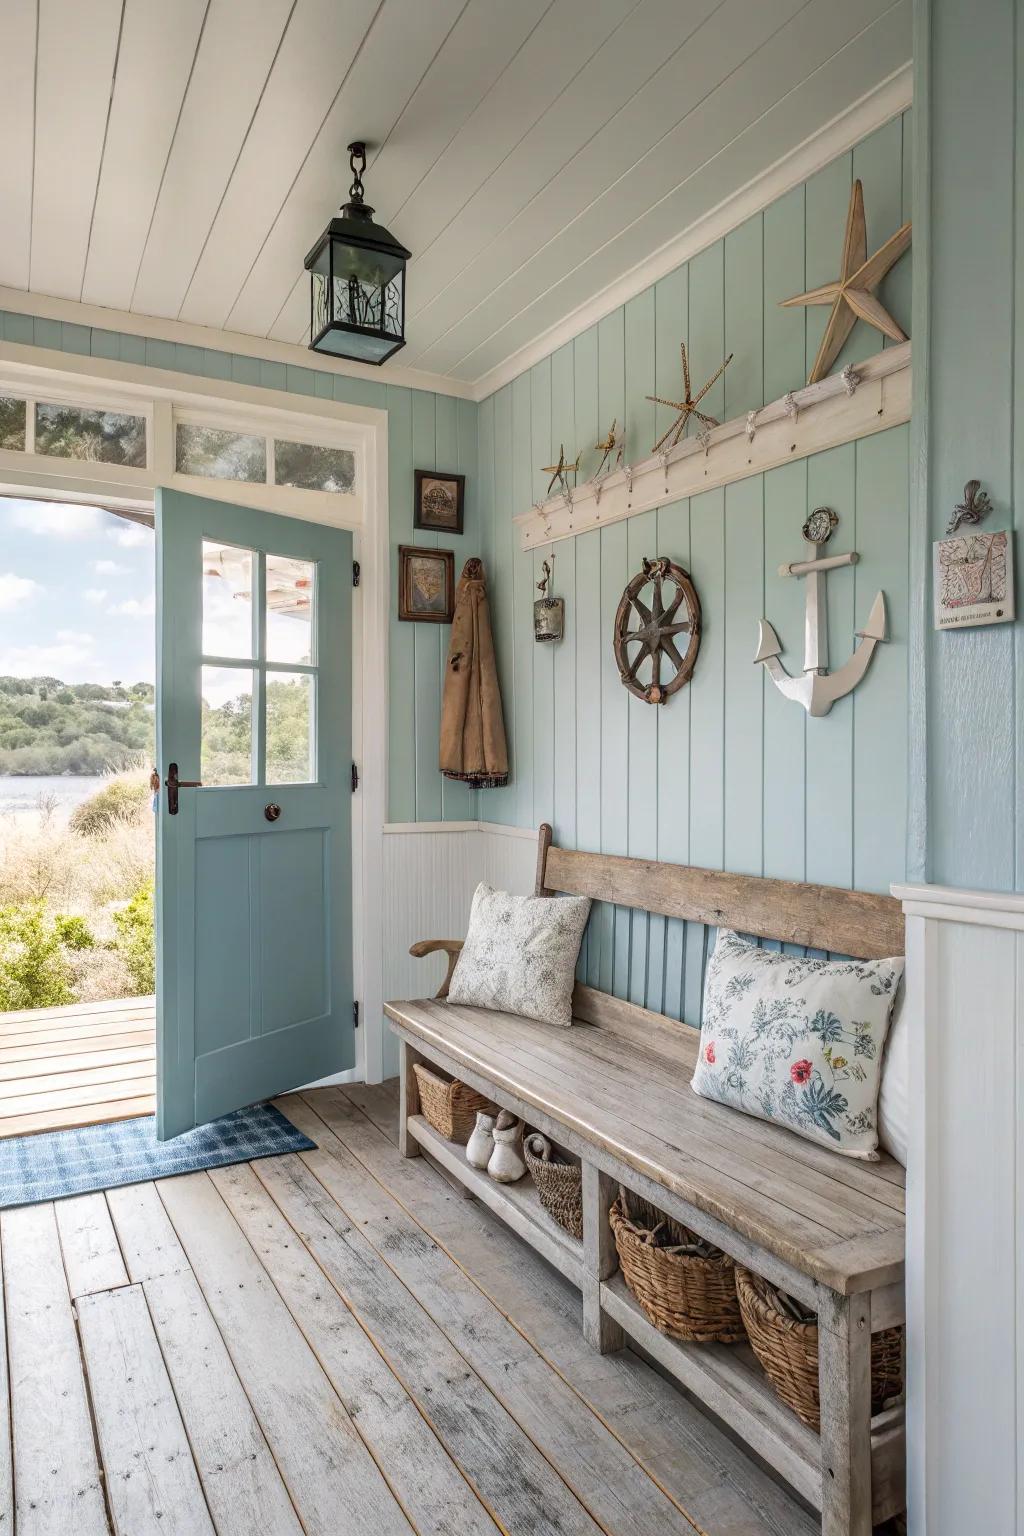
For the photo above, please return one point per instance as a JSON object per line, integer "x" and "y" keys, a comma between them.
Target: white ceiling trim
{"x": 877, "y": 107}
{"x": 186, "y": 333}
{"x": 886, "y": 101}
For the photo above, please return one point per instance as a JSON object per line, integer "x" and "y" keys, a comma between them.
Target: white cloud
{"x": 130, "y": 535}
{"x": 16, "y": 590}
{"x": 110, "y": 568}
{"x": 56, "y": 519}
{"x": 96, "y": 595}
{"x": 134, "y": 608}
{"x": 70, "y": 655}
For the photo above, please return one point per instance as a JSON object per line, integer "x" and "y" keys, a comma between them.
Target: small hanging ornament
{"x": 548, "y": 611}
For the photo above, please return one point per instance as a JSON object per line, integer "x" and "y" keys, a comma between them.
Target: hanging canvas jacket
{"x": 472, "y": 727}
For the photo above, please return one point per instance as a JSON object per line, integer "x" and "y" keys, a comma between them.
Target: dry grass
{"x": 43, "y": 859}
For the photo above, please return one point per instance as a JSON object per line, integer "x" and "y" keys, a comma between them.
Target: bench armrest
{"x": 452, "y": 947}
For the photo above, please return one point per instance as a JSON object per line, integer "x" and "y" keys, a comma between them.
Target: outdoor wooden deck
{"x": 333, "y": 1343}
{"x": 79, "y": 1065}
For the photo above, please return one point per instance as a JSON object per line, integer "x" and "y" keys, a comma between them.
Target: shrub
{"x": 135, "y": 939}
{"x": 124, "y": 797}
{"x": 34, "y": 970}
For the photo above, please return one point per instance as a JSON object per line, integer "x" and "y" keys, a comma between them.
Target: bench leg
{"x": 599, "y": 1260}
{"x": 844, "y": 1382}
{"x": 408, "y": 1099}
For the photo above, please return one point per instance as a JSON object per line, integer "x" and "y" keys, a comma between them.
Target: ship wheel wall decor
{"x": 658, "y": 611}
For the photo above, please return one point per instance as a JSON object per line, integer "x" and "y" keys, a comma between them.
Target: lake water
{"x": 22, "y": 793}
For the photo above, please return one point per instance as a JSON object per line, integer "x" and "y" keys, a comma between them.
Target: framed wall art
{"x": 426, "y": 585}
{"x": 973, "y": 579}
{"x": 439, "y": 503}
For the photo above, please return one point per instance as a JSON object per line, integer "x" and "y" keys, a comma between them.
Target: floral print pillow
{"x": 797, "y": 1041}
{"x": 520, "y": 954}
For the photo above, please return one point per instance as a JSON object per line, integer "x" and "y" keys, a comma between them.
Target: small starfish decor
{"x": 687, "y": 407}
{"x": 561, "y": 471}
{"x": 612, "y": 444}
{"x": 852, "y": 295}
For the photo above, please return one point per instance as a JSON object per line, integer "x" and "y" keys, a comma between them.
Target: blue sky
{"x": 76, "y": 594}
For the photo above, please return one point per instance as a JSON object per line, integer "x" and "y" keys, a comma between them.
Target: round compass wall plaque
{"x": 657, "y": 631}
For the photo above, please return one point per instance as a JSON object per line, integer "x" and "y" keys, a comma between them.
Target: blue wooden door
{"x": 254, "y": 948}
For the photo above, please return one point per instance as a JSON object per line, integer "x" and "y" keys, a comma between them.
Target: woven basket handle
{"x": 452, "y": 947}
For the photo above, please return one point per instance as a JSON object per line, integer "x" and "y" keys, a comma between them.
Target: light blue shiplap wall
{"x": 728, "y": 774}
{"x": 426, "y": 431}
{"x": 968, "y": 686}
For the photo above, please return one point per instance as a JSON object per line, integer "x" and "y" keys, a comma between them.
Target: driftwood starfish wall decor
{"x": 852, "y": 295}
{"x": 687, "y": 407}
{"x": 561, "y": 471}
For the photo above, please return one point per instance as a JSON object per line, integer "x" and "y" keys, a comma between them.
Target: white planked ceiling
{"x": 178, "y": 159}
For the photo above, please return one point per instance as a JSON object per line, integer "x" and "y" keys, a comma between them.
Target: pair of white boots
{"x": 496, "y": 1144}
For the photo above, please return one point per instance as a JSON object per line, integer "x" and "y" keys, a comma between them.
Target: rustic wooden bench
{"x": 615, "y": 1091}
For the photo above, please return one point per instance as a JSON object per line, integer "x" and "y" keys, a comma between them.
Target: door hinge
{"x": 355, "y": 1015}
{"x": 355, "y": 778}
{"x": 355, "y": 573}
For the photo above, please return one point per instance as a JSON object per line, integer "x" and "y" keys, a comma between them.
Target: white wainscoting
{"x": 431, "y": 870}
{"x": 965, "y": 1214}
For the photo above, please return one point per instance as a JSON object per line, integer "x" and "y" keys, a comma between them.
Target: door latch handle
{"x": 174, "y": 784}
{"x": 272, "y": 811}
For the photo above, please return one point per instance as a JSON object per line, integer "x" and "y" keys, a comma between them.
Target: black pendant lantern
{"x": 358, "y": 272}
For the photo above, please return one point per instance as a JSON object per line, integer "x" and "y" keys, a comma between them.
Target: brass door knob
{"x": 272, "y": 811}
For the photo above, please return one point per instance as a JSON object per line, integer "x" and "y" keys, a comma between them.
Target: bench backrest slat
{"x": 860, "y": 924}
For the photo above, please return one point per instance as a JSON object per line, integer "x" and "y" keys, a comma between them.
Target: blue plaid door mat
{"x": 54, "y": 1164}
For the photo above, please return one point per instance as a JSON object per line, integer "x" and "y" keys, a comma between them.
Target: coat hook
{"x": 790, "y": 405}
{"x": 751, "y": 425}
{"x": 850, "y": 377}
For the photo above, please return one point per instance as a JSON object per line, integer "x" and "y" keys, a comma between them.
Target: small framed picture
{"x": 426, "y": 585}
{"x": 973, "y": 580}
{"x": 438, "y": 505}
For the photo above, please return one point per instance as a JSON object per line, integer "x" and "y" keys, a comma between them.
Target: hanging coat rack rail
{"x": 869, "y": 397}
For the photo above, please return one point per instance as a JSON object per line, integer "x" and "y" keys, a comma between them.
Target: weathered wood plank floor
{"x": 80, "y": 1065}
{"x": 336, "y": 1342}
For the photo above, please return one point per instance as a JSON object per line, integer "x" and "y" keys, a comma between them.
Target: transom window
{"x": 218, "y": 452}
{"x": 259, "y": 668}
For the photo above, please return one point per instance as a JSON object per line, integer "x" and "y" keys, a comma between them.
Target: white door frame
{"x": 156, "y": 393}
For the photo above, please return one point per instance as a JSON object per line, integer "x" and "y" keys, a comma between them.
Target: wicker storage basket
{"x": 450, "y": 1106}
{"x": 560, "y": 1187}
{"x": 685, "y": 1295}
{"x": 788, "y": 1350}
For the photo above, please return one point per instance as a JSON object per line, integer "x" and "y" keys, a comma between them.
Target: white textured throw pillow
{"x": 894, "y": 1094}
{"x": 520, "y": 954}
{"x": 797, "y": 1041}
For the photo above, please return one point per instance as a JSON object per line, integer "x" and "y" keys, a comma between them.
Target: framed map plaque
{"x": 973, "y": 580}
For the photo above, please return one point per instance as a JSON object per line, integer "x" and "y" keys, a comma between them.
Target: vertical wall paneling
{"x": 501, "y": 804}
{"x": 744, "y": 683}
{"x": 879, "y": 752}
{"x": 563, "y": 652}
{"x": 785, "y": 725}
{"x": 402, "y": 696}
{"x": 974, "y": 169}
{"x": 523, "y": 493}
{"x": 544, "y": 450}
{"x": 426, "y": 637}
{"x": 831, "y": 481}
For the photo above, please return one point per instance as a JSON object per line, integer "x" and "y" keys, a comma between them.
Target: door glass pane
{"x": 313, "y": 467}
{"x": 12, "y": 423}
{"x": 227, "y": 754}
{"x": 219, "y": 453}
{"x": 291, "y": 595}
{"x": 105, "y": 437}
{"x": 227, "y": 600}
{"x": 291, "y": 713}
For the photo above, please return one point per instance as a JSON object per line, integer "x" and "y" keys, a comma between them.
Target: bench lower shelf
{"x": 727, "y": 1378}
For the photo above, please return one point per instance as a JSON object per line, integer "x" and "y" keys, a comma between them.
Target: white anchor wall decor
{"x": 817, "y": 689}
